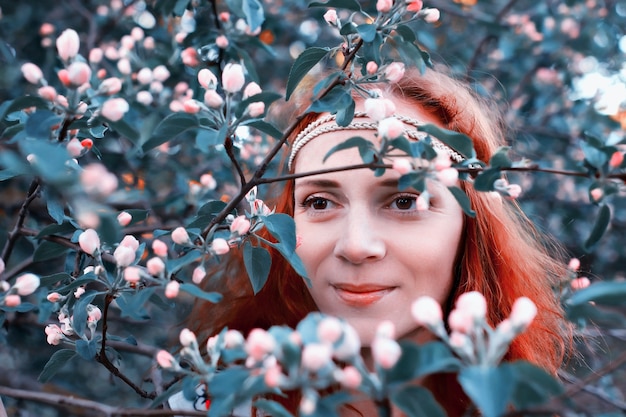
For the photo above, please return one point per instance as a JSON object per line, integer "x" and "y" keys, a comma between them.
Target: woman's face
{"x": 366, "y": 248}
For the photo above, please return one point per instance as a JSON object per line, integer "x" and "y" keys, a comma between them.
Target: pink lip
{"x": 361, "y": 295}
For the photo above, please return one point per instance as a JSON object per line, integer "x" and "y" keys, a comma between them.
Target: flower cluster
{"x": 24, "y": 285}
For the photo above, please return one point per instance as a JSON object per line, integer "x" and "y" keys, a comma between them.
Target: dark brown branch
{"x": 228, "y": 146}
{"x": 62, "y": 401}
{"x": 33, "y": 192}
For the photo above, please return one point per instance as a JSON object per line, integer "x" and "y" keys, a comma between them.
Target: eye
{"x": 317, "y": 203}
{"x": 404, "y": 202}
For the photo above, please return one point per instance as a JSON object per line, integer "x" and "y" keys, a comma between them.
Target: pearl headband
{"x": 314, "y": 130}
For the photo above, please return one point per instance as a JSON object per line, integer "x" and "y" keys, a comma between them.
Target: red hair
{"x": 501, "y": 254}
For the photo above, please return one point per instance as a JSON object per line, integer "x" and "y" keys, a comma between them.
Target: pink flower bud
{"x": 79, "y": 291}
{"x": 159, "y": 248}
{"x": 448, "y": 176}
{"x": 458, "y": 340}
{"x": 130, "y": 241}
{"x": 26, "y": 284}
{"x": 616, "y": 159}
{"x": 315, "y": 356}
{"x": 198, "y": 275}
{"x": 376, "y": 109}
{"x": 94, "y": 313}
{"x": 386, "y": 329}
{"x": 221, "y": 42}
{"x": 459, "y": 321}
{"x": 213, "y": 99}
{"x": 171, "y": 289}
{"x": 46, "y": 29}
{"x": 402, "y": 166}
{"x": 161, "y": 73}
{"x": 124, "y": 218}
{"x": 580, "y": 283}
{"x": 224, "y": 17}
{"x": 54, "y": 334}
{"x": 187, "y": 338}
{"x": 191, "y": 106}
{"x": 426, "y": 312}
{"x": 78, "y": 73}
{"x": 137, "y": 33}
{"x": 165, "y": 359}
{"x": 96, "y": 55}
{"x": 307, "y": 405}
{"x": 252, "y": 89}
{"x": 114, "y": 109}
{"x": 329, "y": 330}
{"x": 394, "y": 71}
{"x": 144, "y": 97}
{"x": 514, "y": 190}
{"x": 124, "y": 66}
{"x": 331, "y": 17}
{"x": 473, "y": 304}
{"x": 89, "y": 241}
{"x": 596, "y": 194}
{"x": 256, "y": 109}
{"x": 124, "y": 255}
{"x": 240, "y": 225}
{"x": 155, "y": 266}
{"x": 430, "y": 15}
{"x": 32, "y": 73}
{"x": 371, "y": 67}
{"x": 64, "y": 77}
{"x": 207, "y": 79}
{"x": 350, "y": 344}
{"x": 53, "y": 297}
{"x": 68, "y": 44}
{"x": 442, "y": 161}
{"x": 12, "y": 300}
{"x": 259, "y": 343}
{"x": 385, "y": 352}
{"x": 233, "y": 78}
{"x": 110, "y": 86}
{"x": 390, "y": 128}
{"x": 189, "y": 57}
{"x": 574, "y": 264}
{"x": 350, "y": 377}
{"x": 2, "y": 266}
{"x": 384, "y": 6}
{"x": 220, "y": 246}
{"x": 132, "y": 274}
{"x": 74, "y": 148}
{"x": 180, "y": 236}
{"x": 47, "y": 92}
{"x": 233, "y": 339}
{"x": 523, "y": 312}
{"x": 272, "y": 376}
{"x": 414, "y": 5}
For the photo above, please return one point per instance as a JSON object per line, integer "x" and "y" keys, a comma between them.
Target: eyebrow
{"x": 324, "y": 183}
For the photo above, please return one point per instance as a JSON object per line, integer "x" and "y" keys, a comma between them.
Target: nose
{"x": 361, "y": 238}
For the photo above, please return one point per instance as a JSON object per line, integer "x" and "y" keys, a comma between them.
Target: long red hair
{"x": 502, "y": 256}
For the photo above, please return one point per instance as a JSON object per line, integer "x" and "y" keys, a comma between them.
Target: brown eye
{"x": 317, "y": 203}
{"x": 404, "y": 203}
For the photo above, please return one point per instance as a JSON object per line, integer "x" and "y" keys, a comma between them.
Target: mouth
{"x": 361, "y": 295}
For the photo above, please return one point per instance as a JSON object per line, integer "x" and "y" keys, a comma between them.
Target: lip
{"x": 361, "y": 295}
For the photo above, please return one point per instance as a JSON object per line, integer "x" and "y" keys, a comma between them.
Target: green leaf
{"x": 123, "y": 128}
{"x": 283, "y": 228}
{"x": 40, "y": 124}
{"x": 257, "y": 261}
{"x": 489, "y": 388}
{"x": 272, "y": 408}
{"x": 420, "y": 360}
{"x": 457, "y": 141}
{"x": 51, "y": 160}
{"x": 463, "y": 201}
{"x": 302, "y": 65}
{"x": 600, "y": 226}
{"x": 417, "y": 402}
{"x": 345, "y": 114}
{"x": 534, "y": 386}
{"x": 87, "y": 349}
{"x": 55, "y": 363}
{"x": 603, "y": 292}
{"x": 337, "y": 98}
{"x": 365, "y": 147}
{"x": 213, "y": 297}
{"x": 500, "y": 159}
{"x": 207, "y": 138}
{"x": 265, "y": 127}
{"x": 485, "y": 179}
{"x": 131, "y": 303}
{"x": 25, "y": 102}
{"x": 339, "y": 4}
{"x": 79, "y": 312}
{"x": 172, "y": 126}
{"x": 173, "y": 265}
{"x": 253, "y": 11}
{"x": 56, "y": 229}
{"x": 50, "y": 280}
{"x": 266, "y": 97}
{"x": 367, "y": 31}
{"x": 49, "y": 250}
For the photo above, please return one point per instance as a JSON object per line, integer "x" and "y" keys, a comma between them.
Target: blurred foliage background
{"x": 556, "y": 68}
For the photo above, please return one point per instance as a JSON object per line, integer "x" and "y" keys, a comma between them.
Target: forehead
{"x": 312, "y": 155}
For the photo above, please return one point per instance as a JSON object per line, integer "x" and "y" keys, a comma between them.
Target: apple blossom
{"x": 160, "y": 73}
{"x": 165, "y": 359}
{"x": 259, "y": 343}
{"x": 350, "y": 377}
{"x": 2, "y": 266}
{"x": 430, "y": 15}
{"x": 124, "y": 218}
{"x": 68, "y": 44}
{"x": 448, "y": 176}
{"x": 171, "y": 289}
{"x": 191, "y": 106}
{"x": 74, "y": 148}
{"x": 132, "y": 274}
{"x": 144, "y": 97}
{"x": 213, "y": 99}
{"x": 114, "y": 109}
{"x": 221, "y": 42}
{"x": 616, "y": 159}
{"x": 273, "y": 376}
{"x": 26, "y": 284}
{"x": 189, "y": 57}
{"x": 473, "y": 304}
{"x": 315, "y": 356}
{"x": 124, "y": 255}
{"x": 220, "y": 246}
{"x": 94, "y": 313}
{"x": 159, "y": 248}
{"x": 130, "y": 241}
{"x": 240, "y": 225}
{"x": 394, "y": 72}
{"x": 460, "y": 322}
{"x": 384, "y": 6}
{"x": 64, "y": 77}
{"x": 414, "y": 5}
{"x": 350, "y": 345}
{"x": 32, "y": 73}
{"x": 12, "y": 300}
{"x": 89, "y": 241}
{"x": 371, "y": 67}
{"x": 376, "y": 108}
{"x": 233, "y": 78}
{"x": 54, "y": 334}
{"x": 47, "y": 92}
{"x": 251, "y": 89}
{"x": 402, "y": 166}
{"x": 110, "y": 86}
{"x": 329, "y": 329}
{"x": 78, "y": 73}
{"x": 523, "y": 312}
{"x": 79, "y": 291}
{"x": 390, "y": 128}
{"x": 427, "y": 312}
{"x": 385, "y": 352}
{"x": 96, "y": 55}
{"x": 180, "y": 236}
{"x": 187, "y": 338}
{"x": 574, "y": 264}
{"x": 580, "y": 283}
{"x": 596, "y": 194}
{"x": 331, "y": 17}
{"x": 155, "y": 266}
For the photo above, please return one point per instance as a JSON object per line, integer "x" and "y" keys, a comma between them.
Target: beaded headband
{"x": 314, "y": 130}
